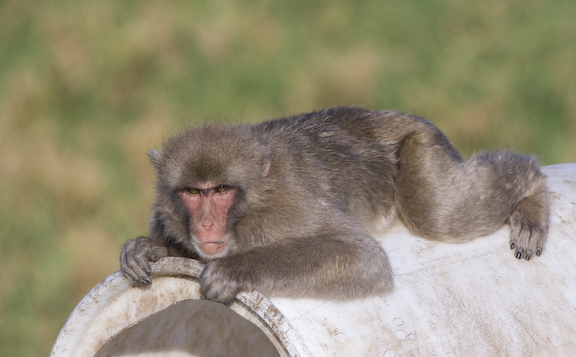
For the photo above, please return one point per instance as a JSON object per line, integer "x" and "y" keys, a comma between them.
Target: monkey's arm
{"x": 335, "y": 265}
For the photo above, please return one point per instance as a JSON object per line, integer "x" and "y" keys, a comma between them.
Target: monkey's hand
{"x": 136, "y": 257}
{"x": 220, "y": 282}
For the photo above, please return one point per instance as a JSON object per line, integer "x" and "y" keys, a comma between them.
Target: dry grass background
{"x": 87, "y": 87}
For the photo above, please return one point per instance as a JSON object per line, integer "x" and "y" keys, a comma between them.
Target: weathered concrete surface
{"x": 471, "y": 299}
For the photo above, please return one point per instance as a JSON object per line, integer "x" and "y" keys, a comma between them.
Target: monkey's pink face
{"x": 208, "y": 206}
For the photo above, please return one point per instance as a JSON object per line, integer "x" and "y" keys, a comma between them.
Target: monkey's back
{"x": 342, "y": 150}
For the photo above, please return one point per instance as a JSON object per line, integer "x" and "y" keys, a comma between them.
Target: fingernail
{"x": 538, "y": 251}
{"x": 528, "y": 256}
{"x": 512, "y": 245}
{"x": 518, "y": 255}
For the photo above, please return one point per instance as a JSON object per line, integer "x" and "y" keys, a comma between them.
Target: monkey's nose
{"x": 208, "y": 226}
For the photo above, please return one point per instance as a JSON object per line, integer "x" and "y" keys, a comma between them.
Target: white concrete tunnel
{"x": 471, "y": 299}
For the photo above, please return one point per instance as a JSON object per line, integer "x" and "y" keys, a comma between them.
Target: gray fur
{"x": 314, "y": 187}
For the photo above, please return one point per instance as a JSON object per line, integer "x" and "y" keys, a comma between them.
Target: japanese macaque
{"x": 288, "y": 207}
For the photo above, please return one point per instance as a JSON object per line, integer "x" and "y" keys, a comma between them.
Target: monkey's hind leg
{"x": 428, "y": 169}
{"x": 529, "y": 222}
{"x": 441, "y": 197}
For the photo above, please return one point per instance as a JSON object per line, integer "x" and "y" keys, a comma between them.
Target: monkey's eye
{"x": 192, "y": 191}
{"x": 220, "y": 189}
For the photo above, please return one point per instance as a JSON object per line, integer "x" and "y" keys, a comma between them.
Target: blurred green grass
{"x": 87, "y": 87}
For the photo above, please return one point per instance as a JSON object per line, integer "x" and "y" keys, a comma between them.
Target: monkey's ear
{"x": 266, "y": 166}
{"x": 155, "y": 158}
{"x": 266, "y": 160}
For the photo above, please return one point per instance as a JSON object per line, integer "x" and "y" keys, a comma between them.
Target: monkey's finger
{"x": 130, "y": 274}
{"x": 134, "y": 271}
{"x": 216, "y": 283}
{"x": 220, "y": 292}
{"x": 125, "y": 255}
{"x": 136, "y": 267}
{"x": 157, "y": 253}
{"x": 141, "y": 267}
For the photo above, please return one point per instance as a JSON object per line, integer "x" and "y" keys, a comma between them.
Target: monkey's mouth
{"x": 213, "y": 248}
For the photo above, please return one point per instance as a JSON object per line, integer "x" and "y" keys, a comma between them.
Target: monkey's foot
{"x": 527, "y": 239}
